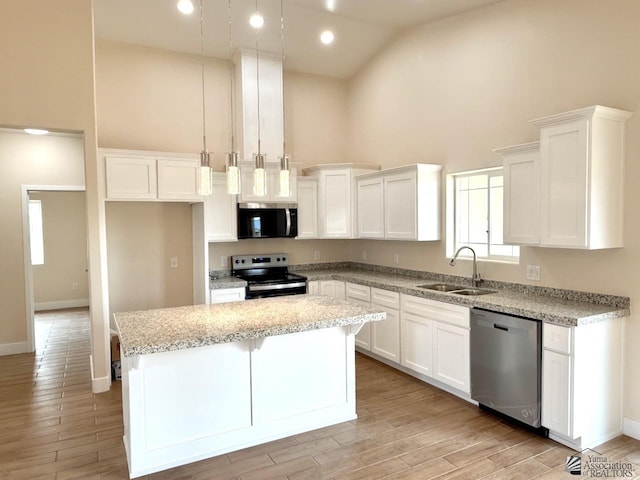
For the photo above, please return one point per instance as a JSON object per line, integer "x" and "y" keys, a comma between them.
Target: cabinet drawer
{"x": 385, "y": 298}
{"x": 358, "y": 292}
{"x": 557, "y": 338}
{"x": 443, "y": 312}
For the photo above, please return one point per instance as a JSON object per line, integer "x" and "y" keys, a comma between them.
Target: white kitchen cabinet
{"x": 370, "y": 207}
{"x": 150, "y": 176}
{"x": 337, "y": 199}
{"x": 521, "y": 199}
{"x": 131, "y": 178}
{"x": 385, "y": 334}
{"x": 400, "y": 203}
{"x": 333, "y": 288}
{"x": 307, "y": 207}
{"x": 582, "y": 178}
{"x": 272, "y": 192}
{"x": 435, "y": 340}
{"x": 224, "y": 295}
{"x": 313, "y": 287}
{"x": 361, "y": 295}
{"x": 582, "y": 382}
{"x": 451, "y": 355}
{"x": 220, "y": 212}
{"x": 416, "y": 328}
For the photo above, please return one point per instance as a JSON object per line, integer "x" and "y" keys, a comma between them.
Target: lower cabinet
{"x": 333, "y": 288}
{"x": 385, "y": 335}
{"x": 435, "y": 340}
{"x": 582, "y": 382}
{"x": 224, "y": 295}
{"x": 361, "y": 294}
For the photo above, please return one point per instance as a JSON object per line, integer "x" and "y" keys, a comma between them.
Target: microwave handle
{"x": 287, "y": 214}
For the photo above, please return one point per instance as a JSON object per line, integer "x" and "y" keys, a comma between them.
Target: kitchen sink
{"x": 442, "y": 287}
{"x": 473, "y": 291}
{"x": 456, "y": 289}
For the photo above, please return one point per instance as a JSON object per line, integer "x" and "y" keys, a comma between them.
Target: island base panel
{"x": 187, "y": 405}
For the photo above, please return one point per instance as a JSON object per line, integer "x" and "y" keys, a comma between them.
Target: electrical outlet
{"x": 316, "y": 255}
{"x": 533, "y": 272}
{"x": 173, "y": 263}
{"x": 223, "y": 261}
{"x": 364, "y": 254}
{"x": 396, "y": 258}
{"x": 74, "y": 286}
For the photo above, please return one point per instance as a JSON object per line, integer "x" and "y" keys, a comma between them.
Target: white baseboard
{"x": 60, "y": 304}
{"x": 631, "y": 428}
{"x": 14, "y": 348}
{"x": 100, "y": 384}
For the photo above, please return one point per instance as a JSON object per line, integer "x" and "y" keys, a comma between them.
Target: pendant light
{"x": 205, "y": 179}
{"x": 233, "y": 174}
{"x": 259, "y": 177}
{"x": 285, "y": 181}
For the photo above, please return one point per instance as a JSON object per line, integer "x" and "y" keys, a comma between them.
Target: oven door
{"x": 257, "y": 290}
{"x": 267, "y": 221}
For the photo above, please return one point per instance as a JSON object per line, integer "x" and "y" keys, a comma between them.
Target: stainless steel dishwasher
{"x": 506, "y": 358}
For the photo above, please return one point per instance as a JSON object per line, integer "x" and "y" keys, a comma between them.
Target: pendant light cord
{"x": 258, "y": 79}
{"x": 282, "y": 61}
{"x": 204, "y": 129}
{"x": 231, "y": 83}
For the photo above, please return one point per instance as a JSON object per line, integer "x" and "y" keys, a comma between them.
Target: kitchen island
{"x": 204, "y": 380}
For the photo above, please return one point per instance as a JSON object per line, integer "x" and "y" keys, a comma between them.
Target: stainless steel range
{"x": 267, "y": 275}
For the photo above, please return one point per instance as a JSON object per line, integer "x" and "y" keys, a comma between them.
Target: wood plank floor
{"x": 53, "y": 427}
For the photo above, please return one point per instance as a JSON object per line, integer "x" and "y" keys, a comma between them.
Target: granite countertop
{"x": 560, "y": 307}
{"x": 166, "y": 329}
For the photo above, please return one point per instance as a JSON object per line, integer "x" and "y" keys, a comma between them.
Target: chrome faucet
{"x": 475, "y": 279}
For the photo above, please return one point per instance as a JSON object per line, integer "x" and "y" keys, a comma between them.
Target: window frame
{"x": 451, "y": 220}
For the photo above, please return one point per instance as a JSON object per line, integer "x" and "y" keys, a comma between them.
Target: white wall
{"x": 62, "y": 280}
{"x": 451, "y": 91}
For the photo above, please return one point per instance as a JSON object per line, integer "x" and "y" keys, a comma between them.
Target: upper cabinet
{"x": 272, "y": 185}
{"x": 220, "y": 212}
{"x": 582, "y": 178}
{"x": 521, "y": 200}
{"x": 400, "y": 203}
{"x": 149, "y": 176}
{"x": 307, "y": 207}
{"x": 337, "y": 202}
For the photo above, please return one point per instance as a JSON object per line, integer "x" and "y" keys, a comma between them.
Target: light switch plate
{"x": 223, "y": 261}
{"x": 316, "y": 255}
{"x": 173, "y": 263}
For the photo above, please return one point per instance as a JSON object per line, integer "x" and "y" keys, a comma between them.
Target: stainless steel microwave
{"x": 267, "y": 220}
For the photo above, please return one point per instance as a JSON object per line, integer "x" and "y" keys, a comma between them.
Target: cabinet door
{"x": 178, "y": 180}
{"x": 521, "y": 204}
{"x": 334, "y": 191}
{"x": 556, "y": 392}
{"x": 131, "y": 178}
{"x": 370, "y": 207}
{"x": 361, "y": 295}
{"x": 333, "y": 288}
{"x": 385, "y": 335}
{"x": 451, "y": 355}
{"x": 416, "y": 345}
{"x": 220, "y": 213}
{"x": 307, "y": 207}
{"x": 400, "y": 216}
{"x": 564, "y": 190}
{"x": 227, "y": 295}
{"x": 313, "y": 287}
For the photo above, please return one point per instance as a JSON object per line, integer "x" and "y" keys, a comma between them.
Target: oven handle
{"x": 287, "y": 214}
{"x": 260, "y": 288}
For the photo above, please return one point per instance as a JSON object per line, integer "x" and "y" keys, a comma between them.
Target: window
{"x": 475, "y": 215}
{"x": 35, "y": 232}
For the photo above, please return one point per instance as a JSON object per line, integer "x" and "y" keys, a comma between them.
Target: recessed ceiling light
{"x": 327, "y": 37}
{"x": 36, "y": 131}
{"x": 331, "y": 5}
{"x": 185, "y": 6}
{"x": 256, "y": 20}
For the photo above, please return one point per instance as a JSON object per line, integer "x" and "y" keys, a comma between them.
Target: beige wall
{"x": 47, "y": 81}
{"x": 27, "y": 160}
{"x": 451, "y": 91}
{"x": 64, "y": 222}
{"x": 141, "y": 238}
